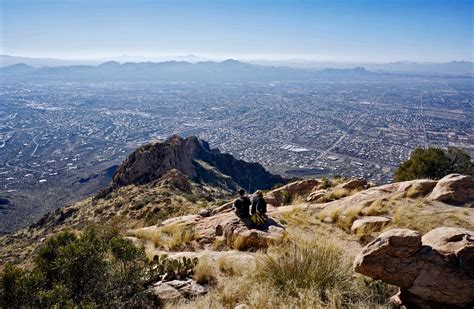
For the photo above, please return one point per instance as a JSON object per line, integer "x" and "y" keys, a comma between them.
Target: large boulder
{"x": 227, "y": 227}
{"x": 164, "y": 291}
{"x": 354, "y": 184}
{"x": 436, "y": 270}
{"x": 316, "y": 196}
{"x": 454, "y": 189}
{"x": 171, "y": 290}
{"x": 287, "y": 193}
{"x": 370, "y": 223}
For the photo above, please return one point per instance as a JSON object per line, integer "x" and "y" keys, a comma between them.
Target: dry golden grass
{"x": 417, "y": 190}
{"x": 171, "y": 237}
{"x": 367, "y": 233}
{"x": 376, "y": 208}
{"x": 219, "y": 244}
{"x": 153, "y": 236}
{"x": 318, "y": 266}
{"x": 347, "y": 217}
{"x": 226, "y": 266}
{"x": 204, "y": 272}
{"x": 342, "y": 218}
{"x": 304, "y": 275}
{"x": 239, "y": 243}
{"x": 297, "y": 216}
{"x": 417, "y": 215}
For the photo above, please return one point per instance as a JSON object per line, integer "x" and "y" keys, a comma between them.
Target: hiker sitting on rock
{"x": 242, "y": 205}
{"x": 259, "y": 209}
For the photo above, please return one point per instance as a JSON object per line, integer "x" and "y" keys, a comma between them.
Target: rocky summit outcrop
{"x": 228, "y": 228}
{"x": 287, "y": 193}
{"x": 454, "y": 189}
{"x": 436, "y": 270}
{"x": 193, "y": 158}
{"x": 354, "y": 184}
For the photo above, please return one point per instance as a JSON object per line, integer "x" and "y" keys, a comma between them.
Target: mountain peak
{"x": 193, "y": 158}
{"x": 109, "y": 64}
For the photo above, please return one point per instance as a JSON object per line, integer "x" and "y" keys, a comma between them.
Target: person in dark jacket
{"x": 242, "y": 205}
{"x": 259, "y": 209}
{"x": 259, "y": 205}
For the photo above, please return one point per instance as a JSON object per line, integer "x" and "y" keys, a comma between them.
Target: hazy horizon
{"x": 199, "y": 58}
{"x": 318, "y": 31}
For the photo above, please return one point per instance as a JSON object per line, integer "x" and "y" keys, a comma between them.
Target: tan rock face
{"x": 193, "y": 158}
{"x": 454, "y": 189}
{"x": 435, "y": 269}
{"x": 153, "y": 160}
{"x": 287, "y": 193}
{"x": 372, "y": 223}
{"x": 316, "y": 195}
{"x": 175, "y": 179}
{"x": 166, "y": 292}
{"x": 354, "y": 184}
{"x": 175, "y": 289}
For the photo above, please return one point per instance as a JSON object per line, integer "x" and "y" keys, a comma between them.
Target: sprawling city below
{"x": 60, "y": 140}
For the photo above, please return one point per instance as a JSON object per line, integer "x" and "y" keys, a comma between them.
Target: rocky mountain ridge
{"x": 195, "y": 159}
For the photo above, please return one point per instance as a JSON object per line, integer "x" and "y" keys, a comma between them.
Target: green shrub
{"x": 97, "y": 269}
{"x": 18, "y": 287}
{"x": 434, "y": 163}
{"x": 325, "y": 183}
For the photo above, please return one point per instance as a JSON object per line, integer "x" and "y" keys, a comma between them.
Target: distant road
{"x": 343, "y": 136}
{"x": 36, "y": 145}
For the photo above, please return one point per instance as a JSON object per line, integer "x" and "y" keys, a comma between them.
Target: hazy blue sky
{"x": 382, "y": 30}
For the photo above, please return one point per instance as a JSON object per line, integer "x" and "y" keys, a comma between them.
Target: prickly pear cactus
{"x": 165, "y": 269}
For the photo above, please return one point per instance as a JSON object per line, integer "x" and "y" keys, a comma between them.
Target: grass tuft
{"x": 171, "y": 237}
{"x": 204, "y": 272}
{"x": 317, "y": 266}
{"x": 377, "y": 208}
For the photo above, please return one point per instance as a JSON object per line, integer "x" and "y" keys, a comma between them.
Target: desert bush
{"x": 325, "y": 183}
{"x": 434, "y": 163}
{"x": 18, "y": 287}
{"x": 96, "y": 269}
{"x": 190, "y": 197}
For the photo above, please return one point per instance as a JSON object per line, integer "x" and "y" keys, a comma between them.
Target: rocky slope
{"x": 429, "y": 271}
{"x": 157, "y": 181}
{"x": 173, "y": 198}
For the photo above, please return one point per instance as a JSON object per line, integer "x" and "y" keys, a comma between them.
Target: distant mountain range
{"x": 458, "y": 68}
{"x": 463, "y": 68}
{"x": 228, "y": 70}
{"x": 7, "y": 60}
